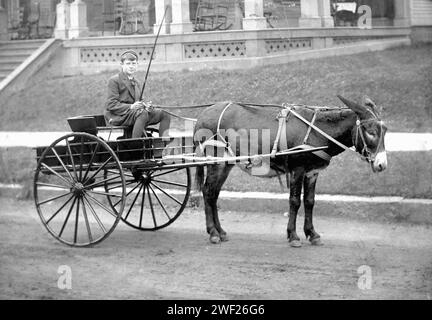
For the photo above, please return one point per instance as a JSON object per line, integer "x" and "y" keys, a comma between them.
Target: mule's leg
{"x": 216, "y": 176}
{"x": 296, "y": 183}
{"x": 224, "y": 172}
{"x": 309, "y": 201}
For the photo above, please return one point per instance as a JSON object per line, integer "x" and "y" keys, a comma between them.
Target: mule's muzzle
{"x": 380, "y": 162}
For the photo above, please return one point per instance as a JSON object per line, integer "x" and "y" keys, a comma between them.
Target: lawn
{"x": 409, "y": 175}
{"x": 400, "y": 80}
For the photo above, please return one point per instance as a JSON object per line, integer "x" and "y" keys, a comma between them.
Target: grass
{"x": 400, "y": 80}
{"x": 409, "y": 175}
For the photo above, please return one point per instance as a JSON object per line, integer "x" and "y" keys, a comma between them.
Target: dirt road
{"x": 179, "y": 262}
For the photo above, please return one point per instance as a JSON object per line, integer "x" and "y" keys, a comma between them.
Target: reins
{"x": 283, "y": 116}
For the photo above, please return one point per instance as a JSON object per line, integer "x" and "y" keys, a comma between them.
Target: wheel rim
{"x": 69, "y": 189}
{"x": 154, "y": 198}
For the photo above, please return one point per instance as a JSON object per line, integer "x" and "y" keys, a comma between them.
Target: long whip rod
{"x": 151, "y": 57}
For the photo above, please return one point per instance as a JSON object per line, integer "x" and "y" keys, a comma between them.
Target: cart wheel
{"x": 69, "y": 189}
{"x": 155, "y": 198}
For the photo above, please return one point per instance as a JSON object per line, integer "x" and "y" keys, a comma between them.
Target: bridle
{"x": 366, "y": 153}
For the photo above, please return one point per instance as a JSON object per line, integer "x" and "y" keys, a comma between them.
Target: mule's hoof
{"x": 224, "y": 237}
{"x": 316, "y": 242}
{"x": 295, "y": 243}
{"x": 215, "y": 239}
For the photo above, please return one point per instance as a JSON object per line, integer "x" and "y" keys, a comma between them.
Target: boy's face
{"x": 129, "y": 66}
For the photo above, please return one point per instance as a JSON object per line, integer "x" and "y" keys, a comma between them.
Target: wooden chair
{"x": 211, "y": 16}
{"x": 18, "y": 28}
{"x": 33, "y": 20}
{"x": 47, "y": 23}
{"x": 113, "y": 17}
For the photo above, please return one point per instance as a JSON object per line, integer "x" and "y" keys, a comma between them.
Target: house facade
{"x": 88, "y": 36}
{"x": 96, "y": 18}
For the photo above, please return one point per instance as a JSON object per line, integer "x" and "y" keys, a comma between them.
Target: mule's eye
{"x": 371, "y": 134}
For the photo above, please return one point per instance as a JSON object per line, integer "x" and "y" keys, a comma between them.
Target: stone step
{"x": 8, "y": 67}
{"x": 4, "y": 74}
{"x": 11, "y": 60}
{"x": 21, "y": 52}
{"x": 23, "y": 44}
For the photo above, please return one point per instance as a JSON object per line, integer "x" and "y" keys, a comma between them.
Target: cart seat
{"x": 93, "y": 124}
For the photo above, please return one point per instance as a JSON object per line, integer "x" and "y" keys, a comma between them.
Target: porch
{"x": 65, "y": 19}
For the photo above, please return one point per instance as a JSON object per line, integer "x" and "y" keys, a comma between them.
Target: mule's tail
{"x": 199, "y": 177}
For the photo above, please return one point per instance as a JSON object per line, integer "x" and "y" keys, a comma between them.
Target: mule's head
{"x": 369, "y": 132}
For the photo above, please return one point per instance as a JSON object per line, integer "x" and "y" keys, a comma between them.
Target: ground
{"x": 179, "y": 261}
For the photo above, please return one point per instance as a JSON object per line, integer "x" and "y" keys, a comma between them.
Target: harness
{"x": 283, "y": 118}
{"x": 281, "y": 142}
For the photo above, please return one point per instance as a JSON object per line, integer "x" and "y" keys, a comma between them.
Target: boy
{"x": 123, "y": 107}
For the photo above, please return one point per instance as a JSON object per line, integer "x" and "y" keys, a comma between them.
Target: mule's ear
{"x": 358, "y": 109}
{"x": 369, "y": 103}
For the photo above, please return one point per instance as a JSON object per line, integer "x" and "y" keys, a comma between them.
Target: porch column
{"x": 180, "y": 17}
{"x": 315, "y": 14}
{"x": 402, "y": 13}
{"x": 61, "y": 29}
{"x": 78, "y": 19}
{"x": 325, "y": 14}
{"x": 254, "y": 15}
{"x": 159, "y": 13}
{"x": 309, "y": 14}
{"x": 3, "y": 23}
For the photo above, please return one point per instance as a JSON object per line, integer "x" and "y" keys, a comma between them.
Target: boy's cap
{"x": 129, "y": 54}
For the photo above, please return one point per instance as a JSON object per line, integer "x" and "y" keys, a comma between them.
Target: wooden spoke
{"x": 67, "y": 217}
{"x": 128, "y": 183}
{"x": 76, "y": 220}
{"x": 91, "y": 161}
{"x": 126, "y": 174}
{"x": 167, "y": 172}
{"x": 53, "y": 198}
{"x": 134, "y": 200}
{"x": 86, "y": 221}
{"x": 71, "y": 158}
{"x": 151, "y": 208}
{"x": 100, "y": 183}
{"x": 171, "y": 183}
{"x": 164, "y": 192}
{"x": 160, "y": 202}
{"x": 62, "y": 164}
{"x": 43, "y": 184}
{"x": 142, "y": 207}
{"x": 127, "y": 194}
{"x": 81, "y": 158}
{"x": 101, "y": 225}
{"x": 60, "y": 209}
{"x": 56, "y": 173}
{"x": 104, "y": 193}
{"x": 100, "y": 168}
{"x": 101, "y": 205}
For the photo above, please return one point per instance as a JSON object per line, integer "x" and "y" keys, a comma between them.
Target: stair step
{"x": 8, "y": 67}
{"x": 15, "y": 52}
{"x": 11, "y": 60}
{"x": 27, "y": 44}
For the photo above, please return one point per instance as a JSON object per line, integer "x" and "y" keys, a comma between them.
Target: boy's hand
{"x": 137, "y": 106}
{"x": 148, "y": 106}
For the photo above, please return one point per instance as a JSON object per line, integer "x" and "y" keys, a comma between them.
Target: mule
{"x": 357, "y": 125}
